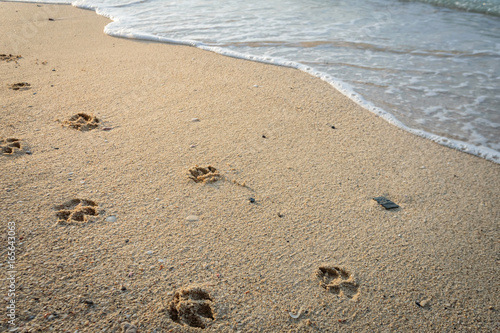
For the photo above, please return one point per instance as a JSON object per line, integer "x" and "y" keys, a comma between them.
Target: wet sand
{"x": 282, "y": 235}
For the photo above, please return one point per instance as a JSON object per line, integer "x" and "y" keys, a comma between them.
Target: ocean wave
{"x": 490, "y": 7}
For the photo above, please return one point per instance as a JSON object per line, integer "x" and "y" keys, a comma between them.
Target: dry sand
{"x": 312, "y": 245}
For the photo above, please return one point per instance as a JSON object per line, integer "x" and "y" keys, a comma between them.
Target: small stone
{"x": 111, "y": 218}
{"x": 161, "y": 260}
{"x": 28, "y": 152}
{"x": 192, "y": 146}
{"x": 194, "y": 120}
{"x": 150, "y": 253}
{"x": 192, "y": 218}
{"x": 123, "y": 288}
{"x": 88, "y": 302}
{"x": 252, "y": 200}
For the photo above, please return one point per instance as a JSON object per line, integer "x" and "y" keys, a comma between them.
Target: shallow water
{"x": 431, "y": 70}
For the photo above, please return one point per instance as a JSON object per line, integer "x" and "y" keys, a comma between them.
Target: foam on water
{"x": 429, "y": 70}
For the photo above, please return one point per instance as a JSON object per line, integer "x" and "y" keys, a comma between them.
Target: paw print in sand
{"x": 191, "y": 306}
{"x": 337, "y": 281}
{"x": 204, "y": 174}
{"x": 9, "y": 146}
{"x": 9, "y": 57}
{"x": 76, "y": 210}
{"x": 82, "y": 122}
{"x": 20, "y": 86}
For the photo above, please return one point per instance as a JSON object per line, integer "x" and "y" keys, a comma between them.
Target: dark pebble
{"x": 252, "y": 200}
{"x": 88, "y": 302}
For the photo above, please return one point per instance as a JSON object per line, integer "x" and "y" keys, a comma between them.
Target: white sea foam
{"x": 420, "y": 68}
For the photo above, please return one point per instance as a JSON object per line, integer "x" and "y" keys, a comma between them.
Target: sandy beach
{"x": 119, "y": 224}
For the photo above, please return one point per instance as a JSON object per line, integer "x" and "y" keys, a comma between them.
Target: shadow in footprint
{"x": 338, "y": 281}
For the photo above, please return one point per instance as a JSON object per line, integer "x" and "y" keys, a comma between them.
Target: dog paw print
{"x": 9, "y": 146}
{"x": 76, "y": 210}
{"x": 9, "y": 57}
{"x": 82, "y": 122}
{"x": 337, "y": 281}
{"x": 204, "y": 174}
{"x": 20, "y": 86}
{"x": 191, "y": 306}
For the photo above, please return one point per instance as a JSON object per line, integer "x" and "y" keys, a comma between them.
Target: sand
{"x": 281, "y": 234}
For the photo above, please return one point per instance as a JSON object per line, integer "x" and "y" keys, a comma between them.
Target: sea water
{"x": 431, "y": 67}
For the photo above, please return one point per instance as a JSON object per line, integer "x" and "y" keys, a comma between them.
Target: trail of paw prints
{"x": 204, "y": 174}
{"x": 10, "y": 146}
{"x": 76, "y": 211}
{"x": 82, "y": 122}
{"x": 337, "y": 281}
{"x": 191, "y": 306}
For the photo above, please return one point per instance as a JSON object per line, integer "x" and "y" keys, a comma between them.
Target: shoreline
{"x": 484, "y": 152}
{"x": 111, "y": 228}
